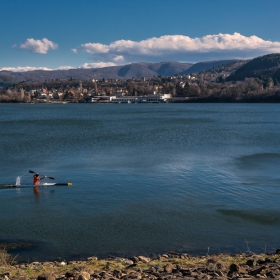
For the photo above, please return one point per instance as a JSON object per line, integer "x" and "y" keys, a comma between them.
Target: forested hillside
{"x": 260, "y": 67}
{"x": 7, "y": 80}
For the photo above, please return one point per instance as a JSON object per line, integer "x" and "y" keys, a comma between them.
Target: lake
{"x": 147, "y": 178}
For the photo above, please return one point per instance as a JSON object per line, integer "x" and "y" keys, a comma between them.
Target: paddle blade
{"x": 51, "y": 178}
{"x": 30, "y": 171}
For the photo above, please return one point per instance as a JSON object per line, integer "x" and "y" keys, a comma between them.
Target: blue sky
{"x": 64, "y": 34}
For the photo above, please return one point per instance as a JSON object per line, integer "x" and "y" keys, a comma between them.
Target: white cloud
{"x": 94, "y": 48}
{"x": 24, "y": 69}
{"x": 179, "y": 46}
{"x": 83, "y": 66}
{"x": 118, "y": 58}
{"x": 64, "y": 68}
{"x": 31, "y": 68}
{"x": 97, "y": 65}
{"x": 38, "y": 46}
{"x": 74, "y": 50}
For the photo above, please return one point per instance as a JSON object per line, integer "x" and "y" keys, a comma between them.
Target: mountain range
{"x": 135, "y": 70}
{"x": 236, "y": 70}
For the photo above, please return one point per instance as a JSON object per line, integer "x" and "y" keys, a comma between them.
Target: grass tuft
{"x": 5, "y": 258}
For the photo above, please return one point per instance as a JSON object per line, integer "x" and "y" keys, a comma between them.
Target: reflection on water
{"x": 259, "y": 162}
{"x": 253, "y": 215}
{"x": 260, "y": 169}
{"x": 146, "y": 179}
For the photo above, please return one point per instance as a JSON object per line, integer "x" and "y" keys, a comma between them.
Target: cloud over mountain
{"x": 180, "y": 47}
{"x": 38, "y": 46}
{"x": 83, "y": 66}
{"x": 97, "y": 65}
{"x": 24, "y": 68}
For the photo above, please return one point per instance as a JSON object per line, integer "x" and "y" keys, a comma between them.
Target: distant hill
{"x": 218, "y": 73}
{"x": 202, "y": 66}
{"x": 144, "y": 69}
{"x": 6, "y": 79}
{"x": 169, "y": 68}
{"x": 260, "y": 67}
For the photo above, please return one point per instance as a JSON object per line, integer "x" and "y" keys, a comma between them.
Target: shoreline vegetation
{"x": 167, "y": 266}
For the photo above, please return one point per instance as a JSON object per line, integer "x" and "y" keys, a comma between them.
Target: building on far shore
{"x": 155, "y": 98}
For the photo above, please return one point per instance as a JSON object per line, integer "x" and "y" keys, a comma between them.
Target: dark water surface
{"x": 147, "y": 178}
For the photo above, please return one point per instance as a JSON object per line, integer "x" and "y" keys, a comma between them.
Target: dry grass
{"x": 5, "y": 258}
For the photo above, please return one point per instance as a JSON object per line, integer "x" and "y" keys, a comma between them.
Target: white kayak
{"x": 40, "y": 185}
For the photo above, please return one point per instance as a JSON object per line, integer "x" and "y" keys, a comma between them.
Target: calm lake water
{"x": 147, "y": 178}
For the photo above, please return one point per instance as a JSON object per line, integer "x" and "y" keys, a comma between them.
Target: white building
{"x": 156, "y": 98}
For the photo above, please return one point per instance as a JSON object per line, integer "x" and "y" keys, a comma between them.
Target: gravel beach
{"x": 167, "y": 266}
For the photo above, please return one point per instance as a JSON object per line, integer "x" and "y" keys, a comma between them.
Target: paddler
{"x": 36, "y": 180}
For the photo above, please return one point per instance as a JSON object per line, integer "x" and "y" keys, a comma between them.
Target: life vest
{"x": 36, "y": 179}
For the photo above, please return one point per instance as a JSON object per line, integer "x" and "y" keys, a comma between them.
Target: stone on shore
{"x": 46, "y": 276}
{"x": 84, "y": 276}
{"x": 144, "y": 259}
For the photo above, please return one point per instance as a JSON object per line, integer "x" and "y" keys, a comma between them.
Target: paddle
{"x": 30, "y": 171}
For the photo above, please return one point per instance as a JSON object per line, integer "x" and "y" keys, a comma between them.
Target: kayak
{"x": 38, "y": 185}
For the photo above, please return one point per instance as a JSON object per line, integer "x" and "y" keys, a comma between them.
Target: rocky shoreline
{"x": 163, "y": 267}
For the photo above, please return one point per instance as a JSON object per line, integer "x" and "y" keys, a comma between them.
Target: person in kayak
{"x": 36, "y": 180}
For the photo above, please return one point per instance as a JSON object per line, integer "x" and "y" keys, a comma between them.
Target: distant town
{"x": 238, "y": 81}
{"x": 142, "y": 90}
{"x": 146, "y": 89}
